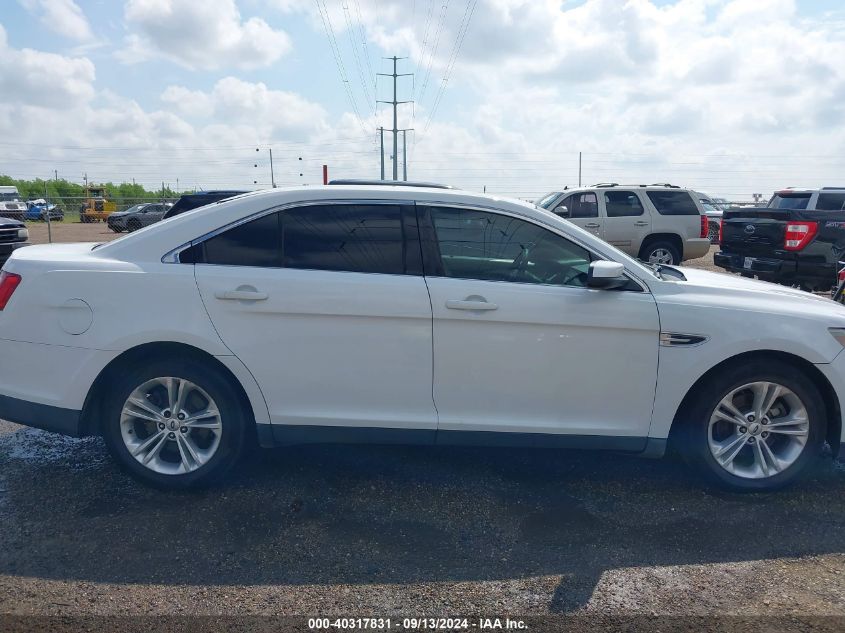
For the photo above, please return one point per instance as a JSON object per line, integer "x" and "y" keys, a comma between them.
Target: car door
{"x": 627, "y": 222}
{"x": 326, "y": 305}
{"x": 582, "y": 209}
{"x": 521, "y": 345}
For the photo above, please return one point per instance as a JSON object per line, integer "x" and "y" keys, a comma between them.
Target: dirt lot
{"x": 397, "y": 531}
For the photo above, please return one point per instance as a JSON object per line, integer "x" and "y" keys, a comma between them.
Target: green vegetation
{"x": 69, "y": 195}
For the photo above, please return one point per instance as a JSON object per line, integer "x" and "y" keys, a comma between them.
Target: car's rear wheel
{"x": 661, "y": 252}
{"x": 174, "y": 424}
{"x": 756, "y": 427}
{"x": 133, "y": 225}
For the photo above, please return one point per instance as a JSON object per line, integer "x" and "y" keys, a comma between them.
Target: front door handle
{"x": 592, "y": 225}
{"x": 471, "y": 304}
{"x": 242, "y": 295}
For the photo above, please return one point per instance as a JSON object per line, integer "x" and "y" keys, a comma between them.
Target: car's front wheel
{"x": 174, "y": 424}
{"x": 755, "y": 427}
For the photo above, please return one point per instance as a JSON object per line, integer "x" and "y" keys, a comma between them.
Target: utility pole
{"x": 56, "y": 174}
{"x": 579, "y": 169}
{"x": 405, "y": 153}
{"x": 381, "y": 135}
{"x": 395, "y": 105}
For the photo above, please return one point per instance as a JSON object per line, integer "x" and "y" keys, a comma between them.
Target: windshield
{"x": 10, "y": 196}
{"x": 546, "y": 201}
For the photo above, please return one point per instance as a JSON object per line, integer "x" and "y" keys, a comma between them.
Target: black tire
{"x": 133, "y": 225}
{"x": 233, "y": 419}
{"x": 692, "y": 440}
{"x": 652, "y": 247}
{"x": 116, "y": 229}
{"x": 839, "y": 293}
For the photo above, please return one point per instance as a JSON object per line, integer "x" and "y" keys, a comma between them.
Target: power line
{"x": 338, "y": 58}
{"x": 456, "y": 49}
{"x": 443, "y": 9}
{"x": 350, "y": 32}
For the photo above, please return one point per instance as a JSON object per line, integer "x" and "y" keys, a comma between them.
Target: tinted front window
{"x": 673, "y": 202}
{"x": 255, "y": 243}
{"x": 493, "y": 247}
{"x": 581, "y": 205}
{"x": 620, "y": 204}
{"x": 352, "y": 238}
{"x": 831, "y": 202}
{"x": 789, "y": 201}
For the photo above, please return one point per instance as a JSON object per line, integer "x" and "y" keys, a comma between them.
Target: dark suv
{"x": 191, "y": 201}
{"x": 13, "y": 234}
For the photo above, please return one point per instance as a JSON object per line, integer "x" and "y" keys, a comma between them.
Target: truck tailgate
{"x": 757, "y": 231}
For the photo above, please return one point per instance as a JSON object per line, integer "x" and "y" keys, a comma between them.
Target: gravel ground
{"x": 409, "y": 531}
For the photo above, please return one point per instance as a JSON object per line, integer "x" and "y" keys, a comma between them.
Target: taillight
{"x": 705, "y": 226}
{"x": 799, "y": 234}
{"x": 721, "y": 228}
{"x": 8, "y": 283}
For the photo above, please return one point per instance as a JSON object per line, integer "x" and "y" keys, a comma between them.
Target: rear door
{"x": 627, "y": 223}
{"x": 582, "y": 209}
{"x": 327, "y": 307}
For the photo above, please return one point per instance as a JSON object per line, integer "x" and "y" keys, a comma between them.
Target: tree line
{"x": 69, "y": 194}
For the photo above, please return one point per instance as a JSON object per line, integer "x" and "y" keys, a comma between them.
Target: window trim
{"x": 172, "y": 256}
{"x": 433, "y": 264}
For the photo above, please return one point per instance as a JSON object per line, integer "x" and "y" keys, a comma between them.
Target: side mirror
{"x": 562, "y": 211}
{"x": 606, "y": 275}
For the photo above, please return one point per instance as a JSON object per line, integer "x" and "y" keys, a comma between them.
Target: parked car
{"x": 713, "y": 211}
{"x": 12, "y": 205}
{"x": 657, "y": 223}
{"x": 198, "y": 199}
{"x": 37, "y": 211}
{"x": 13, "y": 235}
{"x": 404, "y": 314}
{"x": 797, "y": 239}
{"x": 138, "y": 216}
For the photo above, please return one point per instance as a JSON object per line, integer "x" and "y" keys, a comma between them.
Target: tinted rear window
{"x": 789, "y": 201}
{"x": 673, "y": 202}
{"x": 831, "y": 202}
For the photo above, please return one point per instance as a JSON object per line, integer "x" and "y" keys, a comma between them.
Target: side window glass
{"x": 584, "y": 205}
{"x": 831, "y": 202}
{"x": 621, "y": 204}
{"x": 344, "y": 237}
{"x": 673, "y": 202}
{"x": 254, "y": 243}
{"x": 492, "y": 247}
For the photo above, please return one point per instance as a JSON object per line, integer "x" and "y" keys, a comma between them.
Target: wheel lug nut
{"x": 161, "y": 426}
{"x": 166, "y": 413}
{"x": 181, "y": 416}
{"x": 750, "y": 440}
{"x": 765, "y": 434}
{"x": 751, "y": 418}
{"x": 183, "y": 429}
{"x": 171, "y": 435}
{"x": 764, "y": 421}
{"x": 743, "y": 429}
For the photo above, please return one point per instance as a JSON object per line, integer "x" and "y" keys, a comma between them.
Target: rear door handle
{"x": 640, "y": 223}
{"x": 470, "y": 304}
{"x": 592, "y": 225}
{"x": 241, "y": 295}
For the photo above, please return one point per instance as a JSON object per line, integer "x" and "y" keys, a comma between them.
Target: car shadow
{"x": 370, "y": 514}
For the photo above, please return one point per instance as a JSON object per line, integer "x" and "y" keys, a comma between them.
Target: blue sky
{"x": 701, "y": 92}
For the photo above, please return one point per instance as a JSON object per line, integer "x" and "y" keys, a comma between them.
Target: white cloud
{"x": 206, "y": 34}
{"x": 36, "y": 78}
{"x": 64, "y": 17}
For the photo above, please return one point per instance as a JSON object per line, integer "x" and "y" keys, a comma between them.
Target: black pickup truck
{"x": 797, "y": 240}
{"x": 13, "y": 234}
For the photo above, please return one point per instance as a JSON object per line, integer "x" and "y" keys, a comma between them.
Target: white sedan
{"x": 397, "y": 314}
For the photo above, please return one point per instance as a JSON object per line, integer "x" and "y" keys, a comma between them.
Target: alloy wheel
{"x": 758, "y": 430}
{"x": 171, "y": 425}
{"x": 660, "y": 256}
